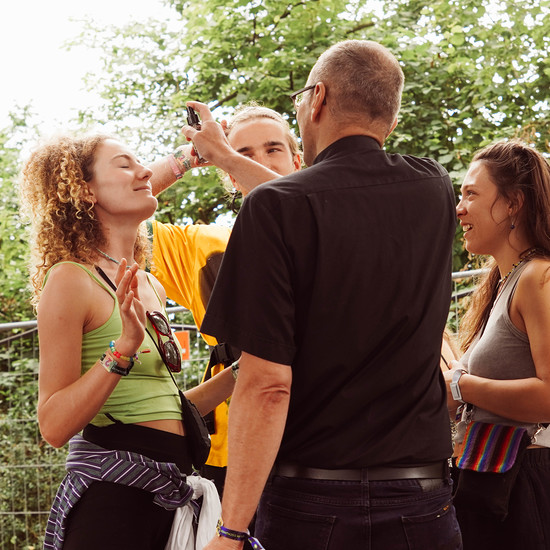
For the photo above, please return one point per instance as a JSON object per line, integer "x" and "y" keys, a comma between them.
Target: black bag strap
{"x": 106, "y": 278}
{"x": 219, "y": 354}
{"x": 112, "y": 285}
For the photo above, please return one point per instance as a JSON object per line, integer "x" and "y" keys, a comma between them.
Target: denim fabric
{"x": 298, "y": 514}
{"x": 527, "y": 524}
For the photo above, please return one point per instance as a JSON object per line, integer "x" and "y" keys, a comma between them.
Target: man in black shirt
{"x": 336, "y": 286}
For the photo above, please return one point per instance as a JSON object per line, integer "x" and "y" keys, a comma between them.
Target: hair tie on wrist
{"x": 222, "y": 531}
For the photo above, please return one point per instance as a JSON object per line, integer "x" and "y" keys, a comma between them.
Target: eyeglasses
{"x": 297, "y": 97}
{"x": 168, "y": 350}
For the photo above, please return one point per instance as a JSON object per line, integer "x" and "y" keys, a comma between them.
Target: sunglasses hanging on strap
{"x": 195, "y": 426}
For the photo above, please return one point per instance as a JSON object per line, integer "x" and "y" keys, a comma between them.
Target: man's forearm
{"x": 257, "y": 419}
{"x": 247, "y": 172}
{"x": 170, "y": 168}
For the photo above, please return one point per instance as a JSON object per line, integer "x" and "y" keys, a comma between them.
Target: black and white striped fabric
{"x": 87, "y": 463}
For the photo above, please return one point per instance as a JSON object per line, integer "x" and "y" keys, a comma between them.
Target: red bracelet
{"x": 119, "y": 355}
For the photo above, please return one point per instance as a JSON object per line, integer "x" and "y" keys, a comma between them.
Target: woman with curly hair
{"x": 502, "y": 383}
{"x": 106, "y": 349}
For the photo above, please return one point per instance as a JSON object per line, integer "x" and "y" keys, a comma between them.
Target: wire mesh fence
{"x": 30, "y": 469}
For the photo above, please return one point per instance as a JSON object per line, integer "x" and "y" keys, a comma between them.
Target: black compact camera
{"x": 194, "y": 121}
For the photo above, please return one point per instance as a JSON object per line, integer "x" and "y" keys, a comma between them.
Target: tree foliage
{"x": 14, "y": 293}
{"x": 475, "y": 72}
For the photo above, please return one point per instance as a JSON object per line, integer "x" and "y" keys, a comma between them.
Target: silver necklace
{"x": 105, "y": 255}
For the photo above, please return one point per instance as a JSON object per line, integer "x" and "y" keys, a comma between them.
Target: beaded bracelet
{"x": 237, "y": 535}
{"x": 119, "y": 355}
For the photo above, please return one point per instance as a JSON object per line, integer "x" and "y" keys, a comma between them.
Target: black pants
{"x": 526, "y": 526}
{"x": 110, "y": 516}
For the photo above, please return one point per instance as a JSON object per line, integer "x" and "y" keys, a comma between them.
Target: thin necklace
{"x": 528, "y": 254}
{"x": 110, "y": 258}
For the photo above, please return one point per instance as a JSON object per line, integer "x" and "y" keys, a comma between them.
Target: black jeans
{"x": 408, "y": 514}
{"x": 527, "y": 525}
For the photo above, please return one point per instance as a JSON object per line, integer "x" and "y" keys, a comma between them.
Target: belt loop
{"x": 364, "y": 475}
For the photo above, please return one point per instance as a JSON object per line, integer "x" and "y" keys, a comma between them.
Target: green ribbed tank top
{"x": 148, "y": 392}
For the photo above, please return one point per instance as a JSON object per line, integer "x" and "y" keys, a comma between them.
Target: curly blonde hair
{"x": 55, "y": 194}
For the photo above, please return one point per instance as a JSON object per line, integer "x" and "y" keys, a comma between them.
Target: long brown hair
{"x": 54, "y": 191}
{"x": 514, "y": 168}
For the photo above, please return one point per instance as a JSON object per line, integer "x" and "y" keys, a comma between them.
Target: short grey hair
{"x": 364, "y": 77}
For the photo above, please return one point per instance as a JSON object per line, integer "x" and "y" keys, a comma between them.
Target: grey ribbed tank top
{"x": 501, "y": 353}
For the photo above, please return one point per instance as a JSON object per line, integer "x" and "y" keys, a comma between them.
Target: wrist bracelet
{"x": 179, "y": 163}
{"x": 181, "y": 159}
{"x": 235, "y": 369}
{"x": 110, "y": 365}
{"x": 222, "y": 531}
{"x": 176, "y": 167}
{"x": 119, "y": 355}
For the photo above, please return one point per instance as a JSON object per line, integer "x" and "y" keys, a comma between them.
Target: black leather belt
{"x": 434, "y": 470}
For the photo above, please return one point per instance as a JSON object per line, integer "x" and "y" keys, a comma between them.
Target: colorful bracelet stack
{"x": 237, "y": 535}
{"x": 179, "y": 163}
{"x": 119, "y": 355}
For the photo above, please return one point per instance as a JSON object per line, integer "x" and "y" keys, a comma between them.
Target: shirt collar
{"x": 346, "y": 145}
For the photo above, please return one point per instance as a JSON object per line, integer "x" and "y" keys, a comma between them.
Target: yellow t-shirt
{"x": 186, "y": 260}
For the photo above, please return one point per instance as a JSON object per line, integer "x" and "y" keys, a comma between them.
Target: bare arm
{"x": 208, "y": 395}
{"x": 257, "y": 418}
{"x": 527, "y": 399}
{"x": 163, "y": 172}
{"x": 213, "y": 145}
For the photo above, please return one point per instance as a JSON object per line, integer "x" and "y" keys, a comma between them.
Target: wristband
{"x": 110, "y": 365}
{"x": 179, "y": 163}
{"x": 176, "y": 168}
{"x": 454, "y": 387}
{"x": 222, "y": 531}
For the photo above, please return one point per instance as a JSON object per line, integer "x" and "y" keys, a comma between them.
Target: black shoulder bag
{"x": 195, "y": 428}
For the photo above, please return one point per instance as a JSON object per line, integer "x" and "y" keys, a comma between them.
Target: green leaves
{"x": 14, "y": 252}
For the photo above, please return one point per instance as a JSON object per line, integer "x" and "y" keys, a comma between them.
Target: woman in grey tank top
{"x": 504, "y": 375}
